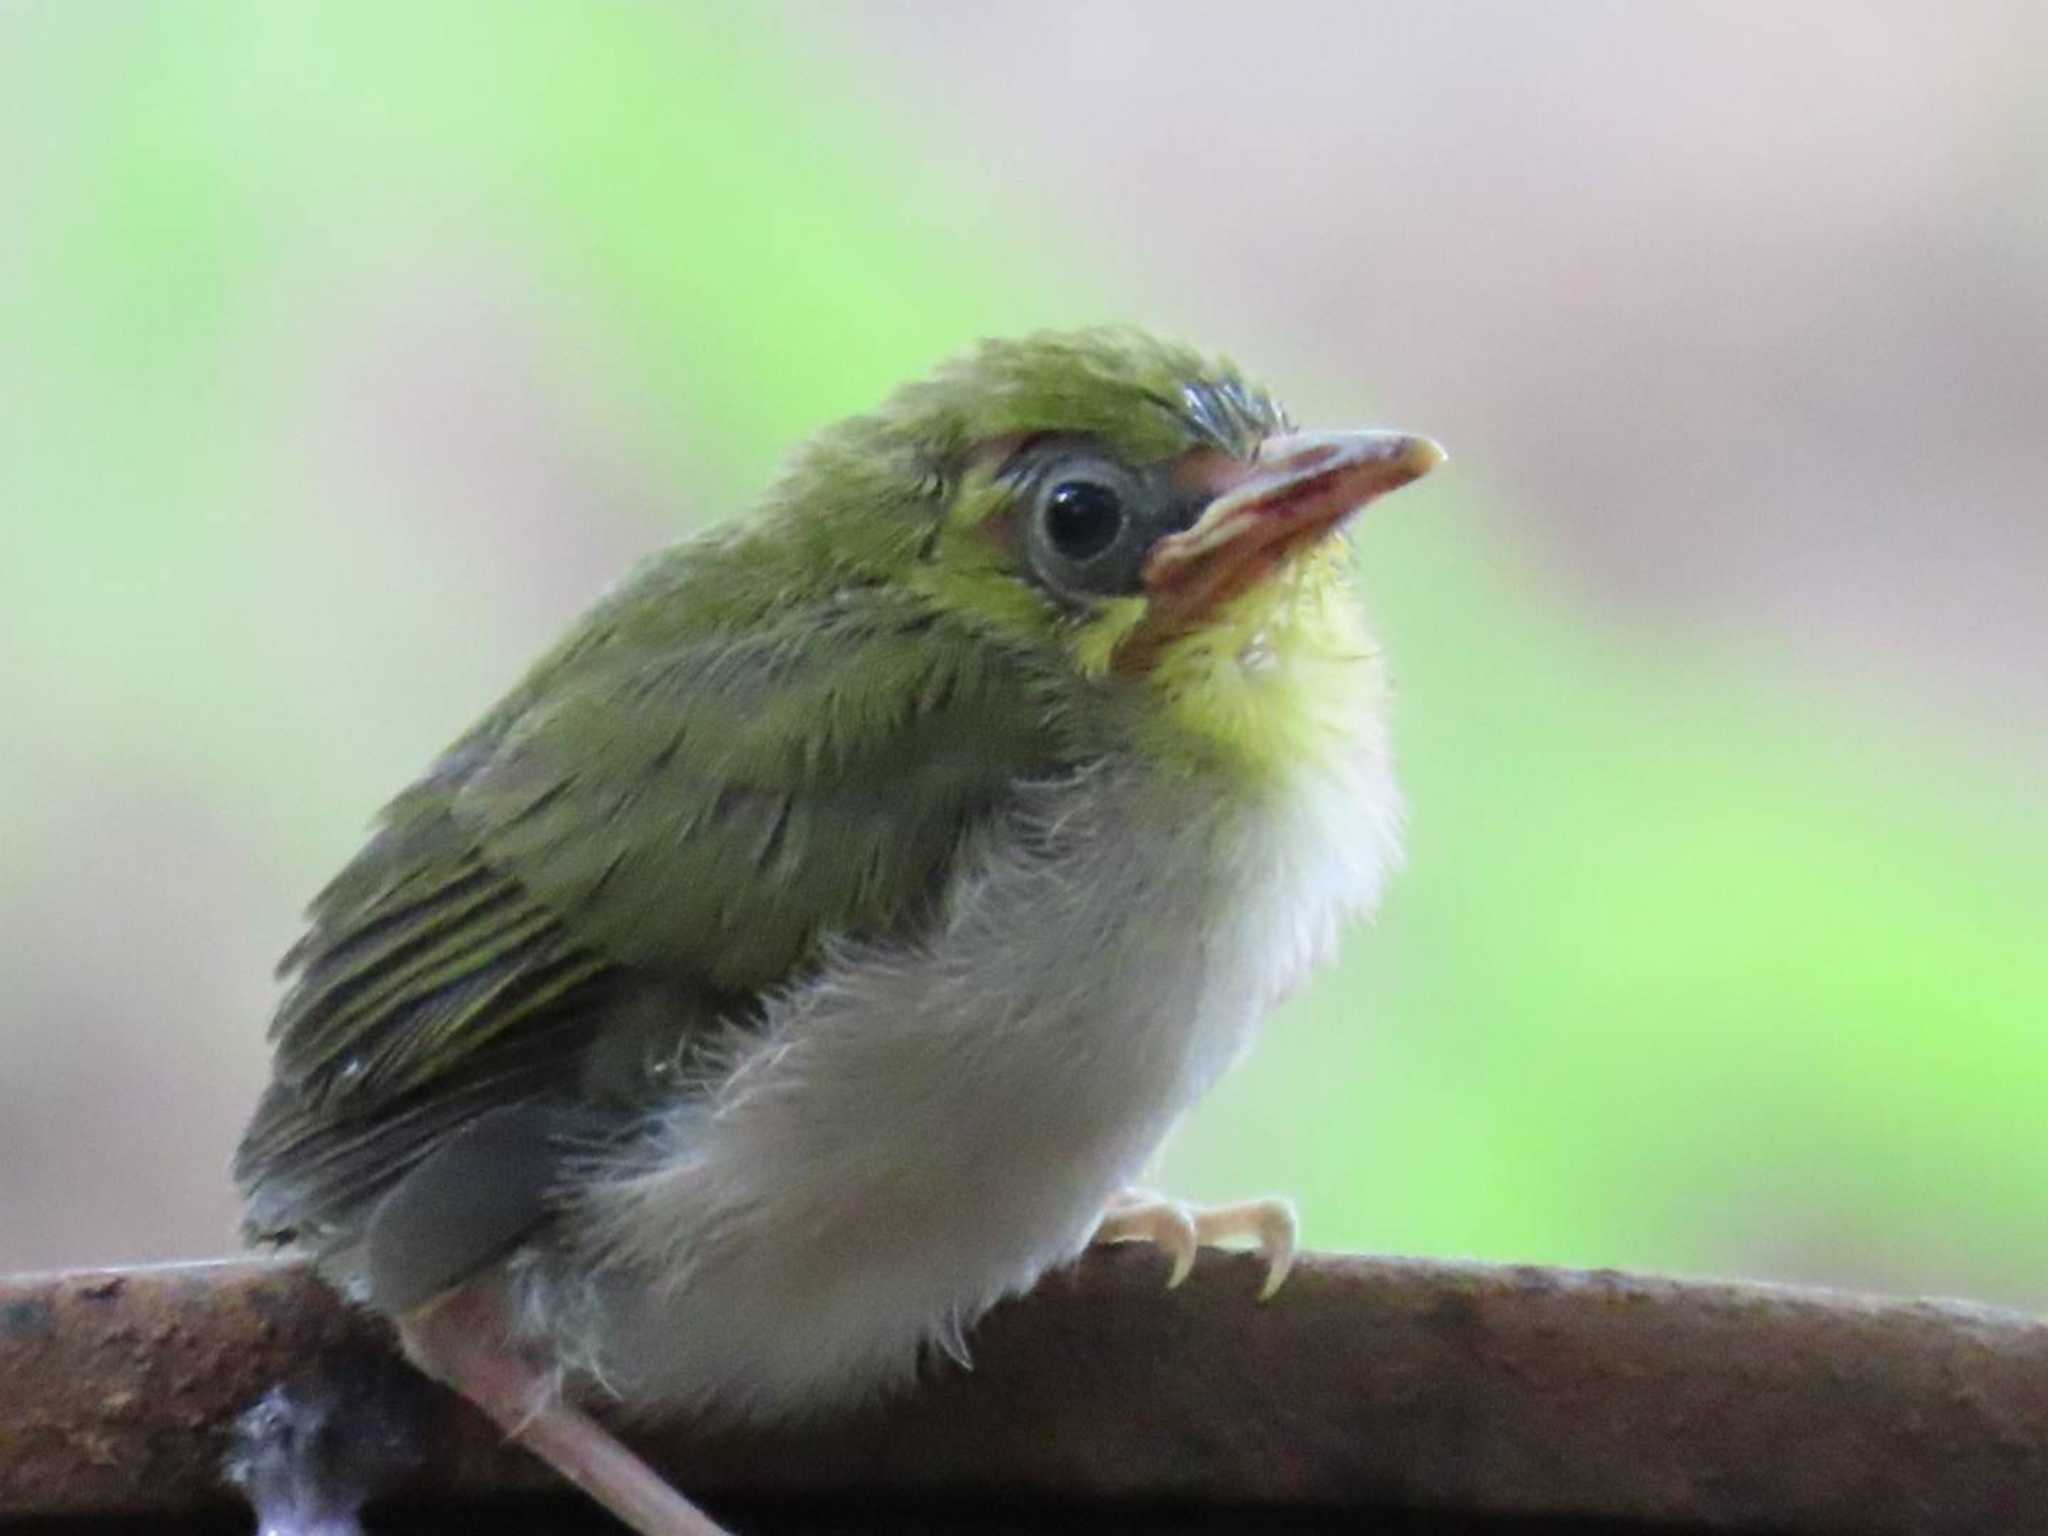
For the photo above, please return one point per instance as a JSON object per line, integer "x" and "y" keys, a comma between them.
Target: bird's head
{"x": 1122, "y": 508}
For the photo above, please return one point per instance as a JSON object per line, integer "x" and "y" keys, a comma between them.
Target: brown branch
{"x": 1458, "y": 1389}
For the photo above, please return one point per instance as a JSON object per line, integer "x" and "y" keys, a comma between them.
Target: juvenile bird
{"x": 814, "y": 947}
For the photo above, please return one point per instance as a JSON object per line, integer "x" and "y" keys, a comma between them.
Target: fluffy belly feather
{"x": 924, "y": 1129}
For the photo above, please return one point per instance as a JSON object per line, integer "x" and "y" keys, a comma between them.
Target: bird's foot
{"x": 1181, "y": 1230}
{"x": 460, "y": 1338}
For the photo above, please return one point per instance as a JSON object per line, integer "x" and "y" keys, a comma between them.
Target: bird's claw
{"x": 1181, "y": 1230}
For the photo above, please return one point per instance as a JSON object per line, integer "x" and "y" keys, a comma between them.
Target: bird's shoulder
{"x": 705, "y": 801}
{"x": 680, "y": 800}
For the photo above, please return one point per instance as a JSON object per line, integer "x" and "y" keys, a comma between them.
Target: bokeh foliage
{"x": 1690, "y": 970}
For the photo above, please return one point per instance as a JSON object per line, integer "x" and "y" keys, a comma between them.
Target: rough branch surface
{"x": 1463, "y": 1390}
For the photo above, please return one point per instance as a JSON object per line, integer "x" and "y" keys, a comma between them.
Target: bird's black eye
{"x": 1083, "y": 518}
{"x": 1091, "y": 521}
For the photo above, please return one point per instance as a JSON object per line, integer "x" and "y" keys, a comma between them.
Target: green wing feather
{"x": 658, "y": 811}
{"x": 713, "y": 809}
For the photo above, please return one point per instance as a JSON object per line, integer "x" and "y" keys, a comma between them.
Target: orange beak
{"x": 1295, "y": 490}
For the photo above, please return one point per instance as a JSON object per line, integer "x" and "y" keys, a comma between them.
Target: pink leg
{"x": 460, "y": 1339}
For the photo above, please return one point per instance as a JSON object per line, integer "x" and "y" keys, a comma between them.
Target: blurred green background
{"x": 346, "y": 352}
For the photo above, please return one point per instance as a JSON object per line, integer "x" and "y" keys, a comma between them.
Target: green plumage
{"x": 694, "y": 817}
{"x": 807, "y": 951}
{"x": 762, "y": 739}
